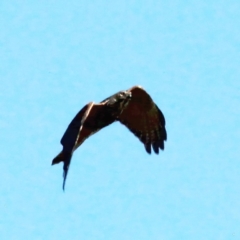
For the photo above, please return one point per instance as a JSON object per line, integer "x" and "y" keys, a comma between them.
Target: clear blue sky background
{"x": 57, "y": 56}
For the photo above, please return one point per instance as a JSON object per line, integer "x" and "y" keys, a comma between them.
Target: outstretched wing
{"x": 88, "y": 121}
{"x": 71, "y": 134}
{"x": 143, "y": 118}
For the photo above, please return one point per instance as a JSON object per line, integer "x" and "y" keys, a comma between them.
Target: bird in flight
{"x": 134, "y": 108}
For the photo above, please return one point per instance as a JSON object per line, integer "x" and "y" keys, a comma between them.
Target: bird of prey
{"x": 134, "y": 108}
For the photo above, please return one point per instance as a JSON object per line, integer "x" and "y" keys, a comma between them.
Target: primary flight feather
{"x": 134, "y": 108}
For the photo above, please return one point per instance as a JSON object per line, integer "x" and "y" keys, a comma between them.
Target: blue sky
{"x": 56, "y": 56}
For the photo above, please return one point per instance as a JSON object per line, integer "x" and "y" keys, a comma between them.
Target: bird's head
{"x": 120, "y": 100}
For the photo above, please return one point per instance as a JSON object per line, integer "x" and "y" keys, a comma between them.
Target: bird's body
{"x": 134, "y": 108}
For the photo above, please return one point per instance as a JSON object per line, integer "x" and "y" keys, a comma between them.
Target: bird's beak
{"x": 129, "y": 95}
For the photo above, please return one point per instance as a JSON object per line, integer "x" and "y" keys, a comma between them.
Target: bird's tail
{"x": 59, "y": 158}
{"x": 64, "y": 157}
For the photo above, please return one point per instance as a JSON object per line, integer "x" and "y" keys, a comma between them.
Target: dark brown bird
{"x": 134, "y": 108}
